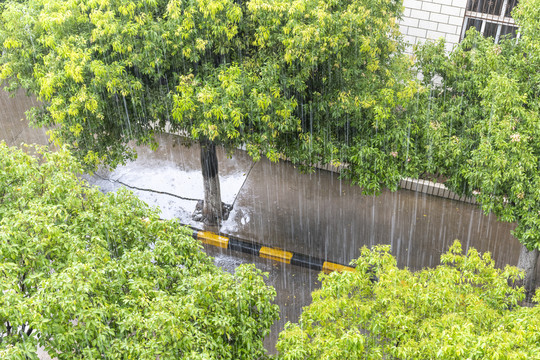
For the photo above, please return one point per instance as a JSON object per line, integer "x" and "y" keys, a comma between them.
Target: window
{"x": 492, "y": 18}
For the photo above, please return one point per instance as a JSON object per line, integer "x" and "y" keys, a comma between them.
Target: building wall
{"x": 432, "y": 19}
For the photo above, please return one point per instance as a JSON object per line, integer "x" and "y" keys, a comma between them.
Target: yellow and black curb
{"x": 288, "y": 257}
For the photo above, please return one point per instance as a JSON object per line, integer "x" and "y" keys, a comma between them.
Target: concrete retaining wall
{"x": 431, "y": 188}
{"x": 419, "y": 185}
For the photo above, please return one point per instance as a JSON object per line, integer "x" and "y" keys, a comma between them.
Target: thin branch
{"x": 247, "y": 176}
{"x": 148, "y": 190}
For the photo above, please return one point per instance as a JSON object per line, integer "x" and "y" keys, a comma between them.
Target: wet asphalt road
{"x": 315, "y": 214}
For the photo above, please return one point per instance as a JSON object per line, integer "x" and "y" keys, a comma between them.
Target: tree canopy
{"x": 483, "y": 116}
{"x": 482, "y": 111}
{"x": 92, "y": 276}
{"x": 462, "y": 309}
{"x": 314, "y": 81}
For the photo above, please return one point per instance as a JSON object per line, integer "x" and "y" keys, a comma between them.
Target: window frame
{"x": 499, "y": 20}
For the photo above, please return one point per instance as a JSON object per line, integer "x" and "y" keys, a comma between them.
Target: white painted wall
{"x": 432, "y": 19}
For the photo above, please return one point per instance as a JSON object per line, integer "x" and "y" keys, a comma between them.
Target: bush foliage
{"x": 462, "y": 309}
{"x": 87, "y": 275}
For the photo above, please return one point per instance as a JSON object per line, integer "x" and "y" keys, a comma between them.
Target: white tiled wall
{"x": 432, "y": 19}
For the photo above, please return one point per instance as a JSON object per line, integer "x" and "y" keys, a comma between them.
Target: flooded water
{"x": 315, "y": 214}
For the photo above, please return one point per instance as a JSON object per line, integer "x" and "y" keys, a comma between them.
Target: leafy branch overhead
{"x": 88, "y": 275}
{"x": 313, "y": 81}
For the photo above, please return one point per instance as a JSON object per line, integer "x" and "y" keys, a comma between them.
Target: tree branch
{"x": 143, "y": 189}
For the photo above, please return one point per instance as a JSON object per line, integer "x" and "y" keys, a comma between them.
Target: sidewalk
{"x": 313, "y": 214}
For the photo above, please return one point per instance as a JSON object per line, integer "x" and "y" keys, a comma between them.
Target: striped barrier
{"x": 232, "y": 243}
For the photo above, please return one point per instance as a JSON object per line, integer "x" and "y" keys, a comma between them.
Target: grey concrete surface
{"x": 315, "y": 214}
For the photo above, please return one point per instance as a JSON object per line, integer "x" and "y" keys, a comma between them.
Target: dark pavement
{"x": 14, "y": 128}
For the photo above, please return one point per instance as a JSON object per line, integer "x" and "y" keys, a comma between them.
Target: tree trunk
{"x": 527, "y": 262}
{"x": 212, "y": 208}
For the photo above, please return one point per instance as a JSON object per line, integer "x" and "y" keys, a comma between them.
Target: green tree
{"x": 314, "y": 81}
{"x": 483, "y": 112}
{"x": 93, "y": 276}
{"x": 462, "y": 309}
